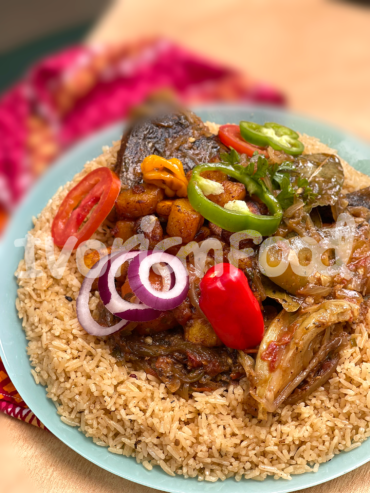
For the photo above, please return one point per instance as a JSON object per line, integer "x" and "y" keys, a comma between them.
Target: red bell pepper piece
{"x": 230, "y": 306}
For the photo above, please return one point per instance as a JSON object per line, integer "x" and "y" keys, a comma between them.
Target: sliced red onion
{"x": 82, "y": 306}
{"x": 135, "y": 312}
{"x": 168, "y": 277}
{"x": 138, "y": 276}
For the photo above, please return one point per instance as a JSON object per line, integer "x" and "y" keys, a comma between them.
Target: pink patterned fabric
{"x": 12, "y": 404}
{"x": 71, "y": 94}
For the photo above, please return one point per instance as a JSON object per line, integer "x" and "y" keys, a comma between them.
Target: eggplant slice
{"x": 325, "y": 174}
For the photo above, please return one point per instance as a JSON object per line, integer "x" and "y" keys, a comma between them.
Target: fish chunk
{"x": 169, "y": 131}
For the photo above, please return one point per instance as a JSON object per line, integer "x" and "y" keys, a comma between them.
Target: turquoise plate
{"x": 13, "y": 341}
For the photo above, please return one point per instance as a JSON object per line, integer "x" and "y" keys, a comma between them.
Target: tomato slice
{"x": 231, "y": 137}
{"x": 96, "y": 193}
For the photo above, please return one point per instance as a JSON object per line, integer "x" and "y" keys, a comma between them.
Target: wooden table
{"x": 35, "y": 461}
{"x": 318, "y": 53}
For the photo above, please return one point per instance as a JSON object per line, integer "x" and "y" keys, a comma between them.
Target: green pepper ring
{"x": 272, "y": 134}
{"x": 235, "y": 221}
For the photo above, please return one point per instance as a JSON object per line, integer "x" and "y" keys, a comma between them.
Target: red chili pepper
{"x": 230, "y": 306}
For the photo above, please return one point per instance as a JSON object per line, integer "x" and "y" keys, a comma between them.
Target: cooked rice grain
{"x": 209, "y": 436}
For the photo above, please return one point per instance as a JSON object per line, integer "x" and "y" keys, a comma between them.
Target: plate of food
{"x": 186, "y": 304}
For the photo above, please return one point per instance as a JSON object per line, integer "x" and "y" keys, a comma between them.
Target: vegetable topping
{"x": 231, "y": 137}
{"x": 283, "y": 356}
{"x": 277, "y": 136}
{"x": 135, "y": 312}
{"x": 94, "y": 195}
{"x": 324, "y": 175}
{"x": 210, "y": 187}
{"x": 174, "y": 288}
{"x": 167, "y": 174}
{"x": 229, "y": 304}
{"x": 236, "y": 217}
{"x": 82, "y": 305}
{"x": 138, "y": 274}
{"x": 196, "y": 323}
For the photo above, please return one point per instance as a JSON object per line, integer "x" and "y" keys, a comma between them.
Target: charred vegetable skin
{"x": 235, "y": 221}
{"x": 272, "y": 134}
{"x": 166, "y": 130}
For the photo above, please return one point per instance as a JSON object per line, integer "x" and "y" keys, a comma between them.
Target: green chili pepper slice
{"x": 232, "y": 220}
{"x": 272, "y": 134}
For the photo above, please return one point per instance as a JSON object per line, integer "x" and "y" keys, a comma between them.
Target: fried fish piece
{"x": 167, "y": 130}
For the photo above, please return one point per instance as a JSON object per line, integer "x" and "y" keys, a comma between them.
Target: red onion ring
{"x": 82, "y": 305}
{"x": 138, "y": 276}
{"x": 134, "y": 312}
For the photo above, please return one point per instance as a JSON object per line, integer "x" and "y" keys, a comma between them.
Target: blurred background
{"x": 69, "y": 68}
